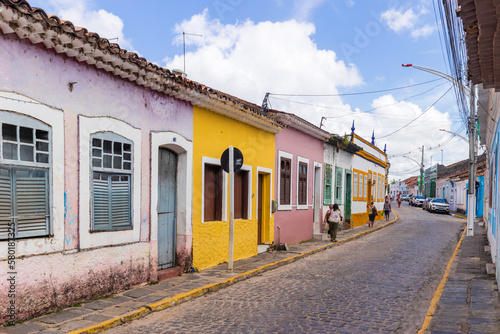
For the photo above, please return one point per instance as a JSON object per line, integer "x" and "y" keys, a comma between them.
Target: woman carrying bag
{"x": 333, "y": 217}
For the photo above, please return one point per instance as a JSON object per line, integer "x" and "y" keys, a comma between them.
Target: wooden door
{"x": 167, "y": 193}
{"x": 259, "y": 211}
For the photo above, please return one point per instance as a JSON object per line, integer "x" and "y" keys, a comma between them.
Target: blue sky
{"x": 308, "y": 47}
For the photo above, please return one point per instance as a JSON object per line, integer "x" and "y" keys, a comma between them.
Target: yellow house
{"x": 241, "y": 125}
{"x": 369, "y": 175}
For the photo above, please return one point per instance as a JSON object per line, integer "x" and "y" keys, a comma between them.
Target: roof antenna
{"x": 184, "y": 74}
{"x": 322, "y": 119}
{"x": 264, "y": 108}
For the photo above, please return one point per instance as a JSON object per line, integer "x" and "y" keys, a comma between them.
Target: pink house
{"x": 299, "y": 178}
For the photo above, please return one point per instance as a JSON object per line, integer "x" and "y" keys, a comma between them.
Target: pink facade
{"x": 57, "y": 271}
{"x": 296, "y": 222}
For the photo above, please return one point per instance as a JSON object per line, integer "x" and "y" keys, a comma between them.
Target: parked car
{"x": 425, "y": 205}
{"x": 439, "y": 205}
{"x": 418, "y": 200}
{"x": 405, "y": 198}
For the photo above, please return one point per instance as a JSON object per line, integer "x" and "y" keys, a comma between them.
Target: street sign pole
{"x": 231, "y": 209}
{"x": 231, "y": 162}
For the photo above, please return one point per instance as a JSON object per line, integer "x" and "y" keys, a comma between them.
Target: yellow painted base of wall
{"x": 360, "y": 219}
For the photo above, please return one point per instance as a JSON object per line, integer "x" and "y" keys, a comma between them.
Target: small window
{"x": 302, "y": 188}
{"x": 213, "y": 193}
{"x": 338, "y": 185}
{"x": 24, "y": 177}
{"x": 327, "y": 185}
{"x": 355, "y": 185}
{"x": 241, "y": 195}
{"x": 285, "y": 180}
{"x": 111, "y": 182}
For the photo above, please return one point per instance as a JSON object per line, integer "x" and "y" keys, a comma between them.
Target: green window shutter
{"x": 338, "y": 185}
{"x": 327, "y": 185}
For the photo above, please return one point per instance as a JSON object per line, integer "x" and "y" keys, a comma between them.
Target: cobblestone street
{"x": 381, "y": 283}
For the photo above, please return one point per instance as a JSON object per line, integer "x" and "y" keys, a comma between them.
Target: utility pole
{"x": 471, "y": 201}
{"x": 421, "y": 185}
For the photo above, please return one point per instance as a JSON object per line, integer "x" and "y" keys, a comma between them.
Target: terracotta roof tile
{"x": 34, "y": 23}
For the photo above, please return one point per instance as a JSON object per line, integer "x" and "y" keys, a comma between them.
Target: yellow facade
{"x": 212, "y": 135}
{"x": 368, "y": 182}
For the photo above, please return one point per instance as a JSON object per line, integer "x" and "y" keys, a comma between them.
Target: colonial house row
{"x": 110, "y": 172}
{"x": 356, "y": 173}
{"x": 100, "y": 153}
{"x": 453, "y": 185}
{"x": 406, "y": 187}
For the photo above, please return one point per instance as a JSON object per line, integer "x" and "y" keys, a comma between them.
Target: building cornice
{"x": 297, "y": 123}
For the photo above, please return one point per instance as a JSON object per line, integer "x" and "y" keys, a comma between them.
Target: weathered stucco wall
{"x": 213, "y": 134}
{"x": 46, "y": 282}
{"x": 78, "y": 89}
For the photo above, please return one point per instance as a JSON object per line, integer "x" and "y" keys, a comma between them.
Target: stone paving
{"x": 381, "y": 283}
{"x": 95, "y": 312}
{"x": 470, "y": 301}
{"x": 278, "y": 301}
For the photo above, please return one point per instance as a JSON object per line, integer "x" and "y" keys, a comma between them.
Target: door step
{"x": 321, "y": 236}
{"x": 262, "y": 248}
{"x": 164, "y": 274}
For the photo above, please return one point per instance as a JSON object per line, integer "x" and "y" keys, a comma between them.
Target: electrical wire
{"x": 453, "y": 34}
{"x": 363, "y": 111}
{"x": 426, "y": 110}
{"x": 360, "y": 93}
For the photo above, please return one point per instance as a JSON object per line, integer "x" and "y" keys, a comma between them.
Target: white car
{"x": 439, "y": 205}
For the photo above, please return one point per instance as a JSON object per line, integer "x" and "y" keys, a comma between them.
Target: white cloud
{"x": 249, "y": 59}
{"x": 303, "y": 9}
{"x": 399, "y": 21}
{"x": 104, "y": 23}
{"x": 424, "y": 31}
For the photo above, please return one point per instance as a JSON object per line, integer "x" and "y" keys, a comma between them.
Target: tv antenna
{"x": 184, "y": 46}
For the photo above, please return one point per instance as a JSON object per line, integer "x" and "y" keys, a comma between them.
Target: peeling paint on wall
{"x": 70, "y": 223}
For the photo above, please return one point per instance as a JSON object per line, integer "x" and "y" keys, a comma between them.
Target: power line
{"x": 362, "y": 111}
{"x": 426, "y": 110}
{"x": 360, "y": 93}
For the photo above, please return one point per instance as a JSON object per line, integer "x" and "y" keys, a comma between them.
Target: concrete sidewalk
{"x": 98, "y": 315}
{"x": 468, "y": 301}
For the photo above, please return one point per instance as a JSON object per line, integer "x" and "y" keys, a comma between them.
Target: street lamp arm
{"x": 418, "y": 163}
{"x": 456, "y": 134}
{"x": 464, "y": 89}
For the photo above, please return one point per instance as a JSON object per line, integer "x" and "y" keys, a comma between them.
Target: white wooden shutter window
{"x": 24, "y": 202}
{"x": 5, "y": 202}
{"x": 111, "y": 163}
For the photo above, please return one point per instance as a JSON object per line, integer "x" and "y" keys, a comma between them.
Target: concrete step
{"x": 321, "y": 236}
{"x": 164, "y": 274}
{"x": 262, "y": 248}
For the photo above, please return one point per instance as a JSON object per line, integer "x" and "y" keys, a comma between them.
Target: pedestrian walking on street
{"x": 387, "y": 208}
{"x": 399, "y": 200}
{"x": 333, "y": 217}
{"x": 372, "y": 213}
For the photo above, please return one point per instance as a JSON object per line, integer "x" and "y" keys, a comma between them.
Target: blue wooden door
{"x": 167, "y": 190}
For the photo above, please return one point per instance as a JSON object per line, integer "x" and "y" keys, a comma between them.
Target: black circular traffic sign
{"x": 238, "y": 160}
